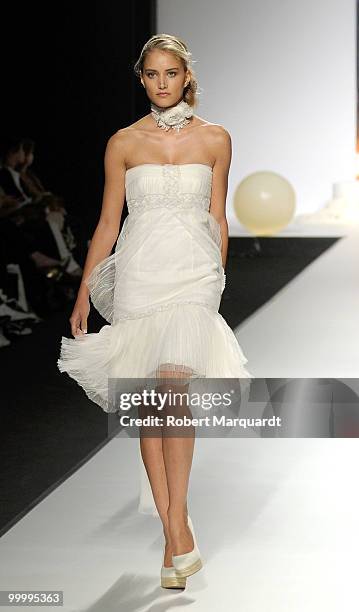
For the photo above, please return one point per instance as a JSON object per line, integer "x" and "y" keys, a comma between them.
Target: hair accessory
{"x": 175, "y": 117}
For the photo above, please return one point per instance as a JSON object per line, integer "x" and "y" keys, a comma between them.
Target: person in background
{"x": 22, "y": 248}
{"x": 31, "y": 182}
{"x": 13, "y": 156}
{"x": 47, "y": 223}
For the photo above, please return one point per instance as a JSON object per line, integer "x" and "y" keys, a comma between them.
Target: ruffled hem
{"x": 185, "y": 338}
{"x": 86, "y": 360}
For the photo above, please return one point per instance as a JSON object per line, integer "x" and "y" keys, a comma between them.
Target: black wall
{"x": 68, "y": 83}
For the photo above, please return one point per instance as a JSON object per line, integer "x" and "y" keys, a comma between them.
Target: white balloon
{"x": 264, "y": 203}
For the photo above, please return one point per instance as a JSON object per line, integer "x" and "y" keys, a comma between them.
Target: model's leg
{"x": 178, "y": 446}
{"x": 179, "y": 452}
{"x": 152, "y": 456}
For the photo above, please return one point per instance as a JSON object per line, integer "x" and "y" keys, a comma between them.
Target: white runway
{"x": 310, "y": 328}
{"x": 275, "y": 519}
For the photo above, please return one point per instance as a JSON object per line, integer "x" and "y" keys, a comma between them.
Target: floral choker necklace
{"x": 175, "y": 117}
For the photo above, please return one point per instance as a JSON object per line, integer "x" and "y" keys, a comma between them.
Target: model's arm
{"x": 222, "y": 147}
{"x": 107, "y": 229}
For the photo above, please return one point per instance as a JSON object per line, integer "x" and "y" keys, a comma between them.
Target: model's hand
{"x": 79, "y": 316}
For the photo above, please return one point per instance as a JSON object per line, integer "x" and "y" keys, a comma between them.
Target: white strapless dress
{"x": 159, "y": 291}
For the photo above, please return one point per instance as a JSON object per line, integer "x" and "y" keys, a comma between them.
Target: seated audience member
{"x": 58, "y": 219}
{"x": 45, "y": 232}
{"x": 31, "y": 182}
{"x": 19, "y": 247}
{"x": 12, "y": 156}
{"x": 8, "y": 204}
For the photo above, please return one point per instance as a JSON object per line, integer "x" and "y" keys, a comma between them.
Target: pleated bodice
{"x": 174, "y": 186}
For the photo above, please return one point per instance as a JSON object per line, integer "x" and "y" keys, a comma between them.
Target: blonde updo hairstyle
{"x": 176, "y": 46}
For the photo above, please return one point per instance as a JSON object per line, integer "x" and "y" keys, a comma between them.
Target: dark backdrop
{"x": 67, "y": 81}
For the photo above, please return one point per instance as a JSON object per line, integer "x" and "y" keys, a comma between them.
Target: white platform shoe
{"x": 191, "y": 562}
{"x": 171, "y": 580}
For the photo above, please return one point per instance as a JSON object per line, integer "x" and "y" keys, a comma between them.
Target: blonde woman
{"x": 161, "y": 288}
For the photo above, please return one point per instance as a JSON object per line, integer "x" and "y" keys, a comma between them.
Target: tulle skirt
{"x": 189, "y": 340}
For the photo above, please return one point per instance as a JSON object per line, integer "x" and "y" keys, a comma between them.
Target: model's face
{"x": 164, "y": 73}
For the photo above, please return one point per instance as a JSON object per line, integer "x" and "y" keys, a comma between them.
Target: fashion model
{"x": 161, "y": 289}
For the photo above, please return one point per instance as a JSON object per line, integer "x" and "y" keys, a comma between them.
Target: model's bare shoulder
{"x": 215, "y": 133}
{"x": 115, "y": 152}
{"x": 130, "y": 138}
{"x": 122, "y": 142}
{"x": 117, "y": 141}
{"x": 220, "y": 143}
{"x": 218, "y": 133}
{"x": 122, "y": 136}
